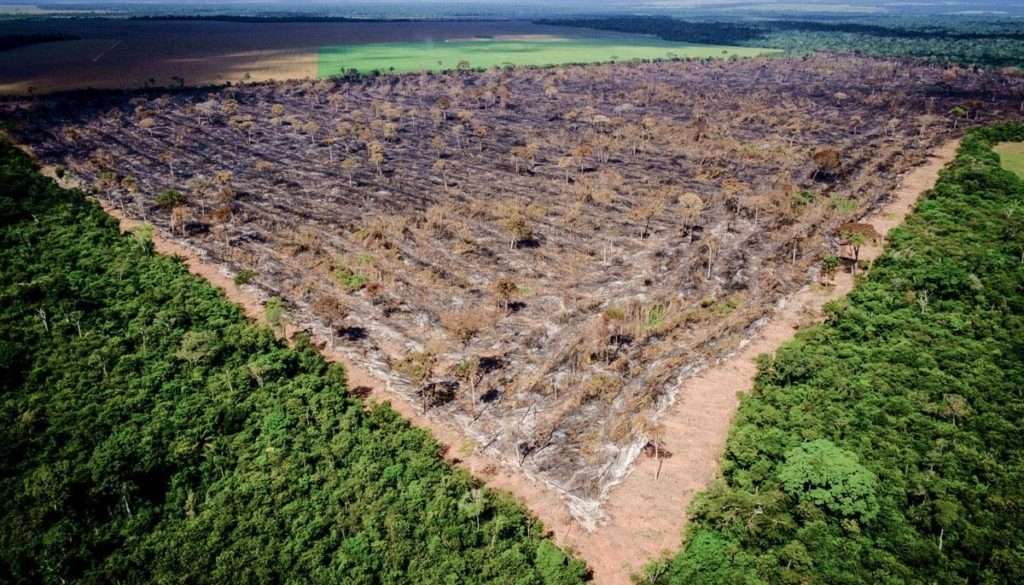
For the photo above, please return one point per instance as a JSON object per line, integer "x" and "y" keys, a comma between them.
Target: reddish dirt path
{"x": 645, "y": 514}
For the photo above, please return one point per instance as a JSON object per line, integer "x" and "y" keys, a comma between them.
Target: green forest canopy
{"x": 884, "y": 446}
{"x": 150, "y": 434}
{"x": 990, "y": 42}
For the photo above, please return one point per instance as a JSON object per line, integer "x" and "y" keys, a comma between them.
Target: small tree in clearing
{"x": 711, "y": 247}
{"x": 518, "y": 227}
{"x": 829, "y": 265}
{"x": 690, "y": 208}
{"x": 274, "y": 313}
{"x": 348, "y": 167}
{"x": 376, "y": 156}
{"x": 856, "y": 235}
{"x": 469, "y": 373}
{"x": 505, "y": 290}
{"x": 179, "y": 218}
{"x": 644, "y": 213}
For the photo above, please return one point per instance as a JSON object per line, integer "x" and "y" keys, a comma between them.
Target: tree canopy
{"x": 883, "y": 446}
{"x": 151, "y": 434}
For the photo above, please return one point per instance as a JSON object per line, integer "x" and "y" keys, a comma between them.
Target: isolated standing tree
{"x": 179, "y": 218}
{"x": 505, "y": 290}
{"x": 856, "y": 235}
{"x": 274, "y": 312}
{"x": 644, "y": 213}
{"x": 167, "y": 157}
{"x": 468, "y": 372}
{"x": 711, "y": 248}
{"x": 376, "y": 156}
{"x": 349, "y": 166}
{"x": 518, "y": 227}
{"x": 690, "y": 208}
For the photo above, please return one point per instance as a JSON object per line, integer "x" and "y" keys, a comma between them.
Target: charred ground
{"x": 538, "y": 256}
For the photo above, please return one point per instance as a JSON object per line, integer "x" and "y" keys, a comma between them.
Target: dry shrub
{"x": 418, "y": 366}
{"x": 465, "y": 324}
{"x": 331, "y": 308}
{"x": 601, "y": 386}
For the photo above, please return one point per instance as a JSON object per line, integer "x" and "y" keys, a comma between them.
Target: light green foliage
{"x": 1011, "y": 154}
{"x": 143, "y": 235}
{"x": 350, "y": 280}
{"x": 486, "y": 53}
{"x": 827, "y": 476}
{"x": 150, "y": 434}
{"x": 274, "y": 312}
{"x": 883, "y": 446}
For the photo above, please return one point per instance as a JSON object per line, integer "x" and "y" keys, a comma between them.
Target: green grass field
{"x": 485, "y": 53}
{"x": 1012, "y": 155}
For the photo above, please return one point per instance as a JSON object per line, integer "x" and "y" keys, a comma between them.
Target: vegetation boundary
{"x": 644, "y": 520}
{"x": 152, "y": 434}
{"x": 882, "y": 445}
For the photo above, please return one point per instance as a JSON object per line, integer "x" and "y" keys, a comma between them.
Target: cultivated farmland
{"x": 539, "y": 257}
{"x": 533, "y": 50}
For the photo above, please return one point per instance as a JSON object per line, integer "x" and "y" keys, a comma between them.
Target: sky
{"x": 447, "y": 7}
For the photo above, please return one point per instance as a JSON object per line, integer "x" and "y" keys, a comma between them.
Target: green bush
{"x": 245, "y": 277}
{"x": 169, "y": 198}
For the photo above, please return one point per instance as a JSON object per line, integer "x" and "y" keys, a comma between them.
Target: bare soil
{"x": 120, "y": 53}
{"x": 539, "y": 181}
{"x": 542, "y": 262}
{"x": 643, "y": 513}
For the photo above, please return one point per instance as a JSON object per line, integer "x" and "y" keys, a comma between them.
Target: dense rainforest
{"x": 885, "y": 445}
{"x": 985, "y": 43}
{"x": 151, "y": 434}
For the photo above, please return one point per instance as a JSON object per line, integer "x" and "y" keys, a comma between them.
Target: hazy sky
{"x": 441, "y": 7}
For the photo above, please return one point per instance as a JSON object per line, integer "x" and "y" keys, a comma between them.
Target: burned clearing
{"x": 538, "y": 256}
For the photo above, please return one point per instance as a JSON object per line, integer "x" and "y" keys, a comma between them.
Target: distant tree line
{"x": 963, "y": 42}
{"x": 9, "y": 42}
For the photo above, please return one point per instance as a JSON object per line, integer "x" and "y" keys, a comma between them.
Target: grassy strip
{"x": 884, "y": 446}
{"x": 150, "y": 434}
{"x": 484, "y": 54}
{"x": 1011, "y": 154}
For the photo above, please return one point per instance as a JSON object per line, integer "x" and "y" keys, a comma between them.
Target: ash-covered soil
{"x": 538, "y": 256}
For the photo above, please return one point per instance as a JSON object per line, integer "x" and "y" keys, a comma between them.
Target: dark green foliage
{"x": 150, "y": 434}
{"x": 244, "y": 277}
{"x": 885, "y": 445}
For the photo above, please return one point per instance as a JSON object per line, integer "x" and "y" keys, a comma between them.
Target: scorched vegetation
{"x": 539, "y": 255}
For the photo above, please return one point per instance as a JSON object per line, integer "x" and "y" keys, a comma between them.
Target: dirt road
{"x": 645, "y": 514}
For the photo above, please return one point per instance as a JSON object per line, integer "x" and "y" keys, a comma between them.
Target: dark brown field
{"x": 116, "y": 53}
{"x": 540, "y": 256}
